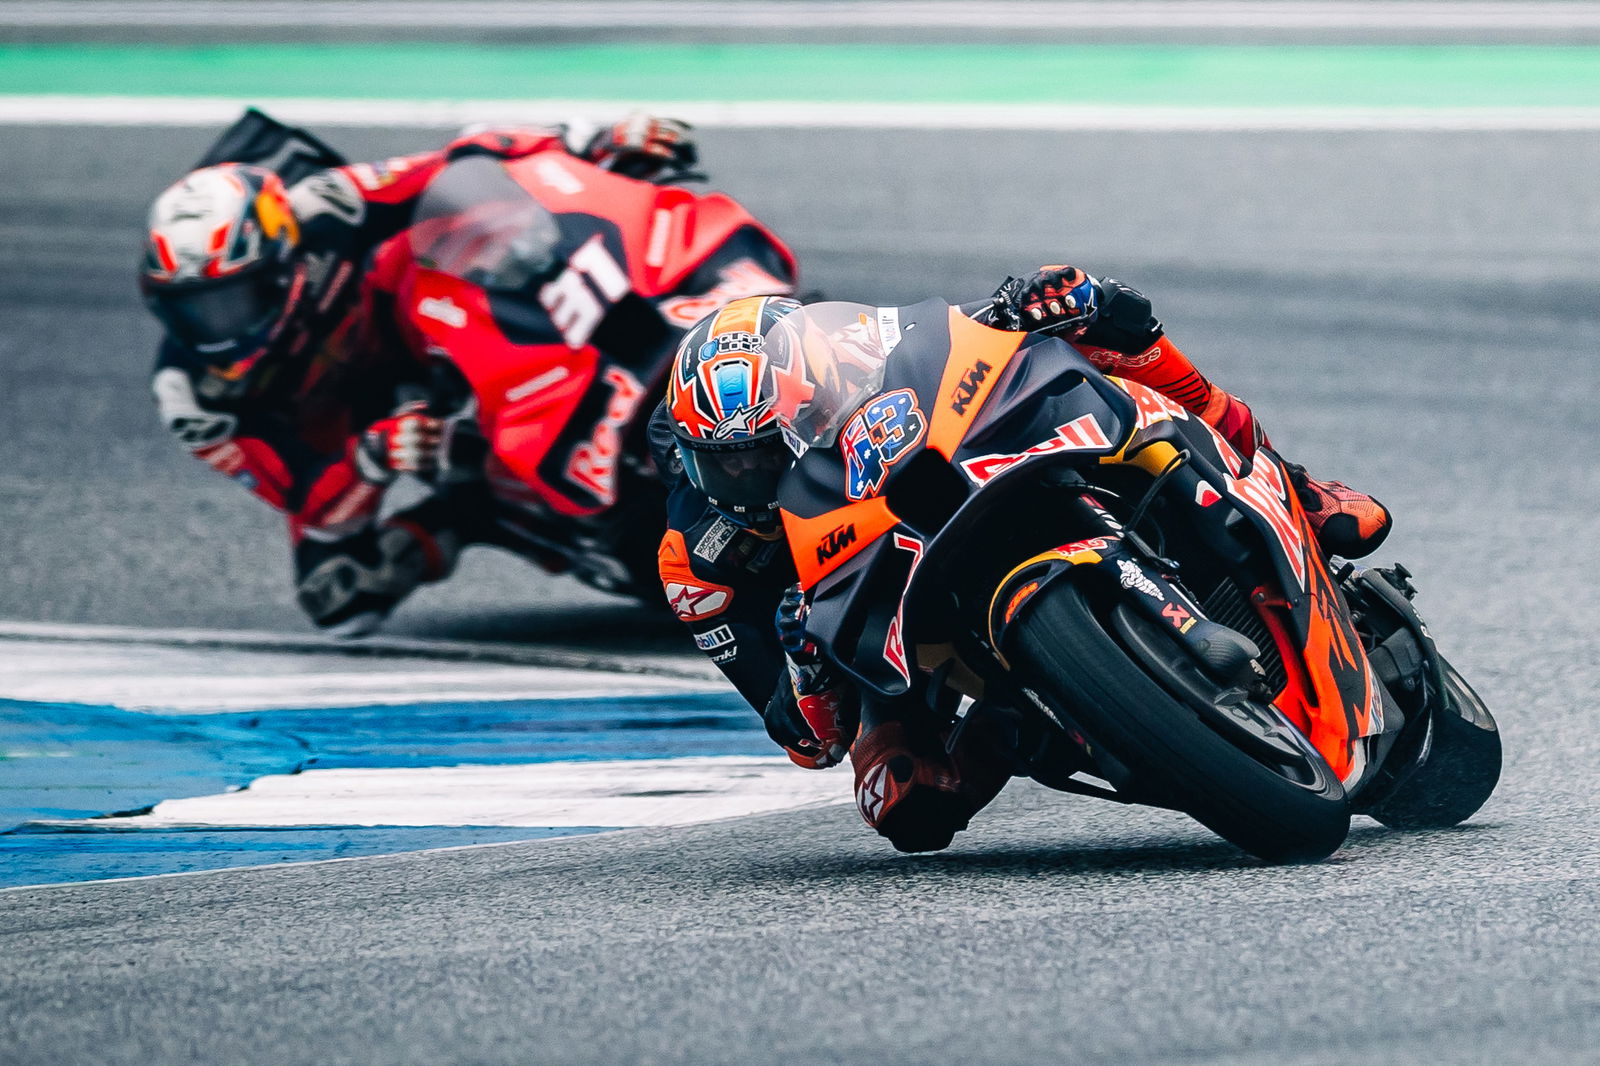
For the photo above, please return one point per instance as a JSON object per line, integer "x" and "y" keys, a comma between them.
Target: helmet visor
{"x": 740, "y": 478}
{"x": 221, "y": 319}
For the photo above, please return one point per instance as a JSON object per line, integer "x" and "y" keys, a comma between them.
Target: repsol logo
{"x": 967, "y": 387}
{"x": 835, "y": 542}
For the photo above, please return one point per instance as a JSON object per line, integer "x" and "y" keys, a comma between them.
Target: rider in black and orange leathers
{"x": 282, "y": 367}
{"x": 728, "y": 573}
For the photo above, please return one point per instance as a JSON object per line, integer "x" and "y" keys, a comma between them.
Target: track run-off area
{"x": 1400, "y": 280}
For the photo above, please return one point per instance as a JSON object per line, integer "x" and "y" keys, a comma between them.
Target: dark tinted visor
{"x": 217, "y": 320}
{"x": 741, "y": 478}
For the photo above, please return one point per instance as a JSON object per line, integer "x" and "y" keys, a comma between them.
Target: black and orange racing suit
{"x": 726, "y": 582}
{"x": 294, "y": 443}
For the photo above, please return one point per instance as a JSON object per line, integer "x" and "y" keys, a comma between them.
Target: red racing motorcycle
{"x": 993, "y": 530}
{"x": 557, "y": 292}
{"x": 551, "y": 294}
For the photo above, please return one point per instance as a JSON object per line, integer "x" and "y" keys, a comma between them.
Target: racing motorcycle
{"x": 996, "y": 532}
{"x": 552, "y": 293}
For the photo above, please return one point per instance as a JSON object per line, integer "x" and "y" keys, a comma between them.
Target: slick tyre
{"x": 1070, "y": 653}
{"x": 1460, "y": 770}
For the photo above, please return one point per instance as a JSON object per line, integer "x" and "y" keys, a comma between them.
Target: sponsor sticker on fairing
{"x": 1081, "y": 434}
{"x": 889, "y": 328}
{"x": 1134, "y": 578}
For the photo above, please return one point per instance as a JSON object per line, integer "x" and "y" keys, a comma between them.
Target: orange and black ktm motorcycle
{"x": 992, "y": 529}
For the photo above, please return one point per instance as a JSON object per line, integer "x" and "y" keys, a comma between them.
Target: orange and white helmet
{"x": 722, "y": 416}
{"x": 221, "y": 268}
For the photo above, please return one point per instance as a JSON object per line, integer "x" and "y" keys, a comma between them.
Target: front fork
{"x": 1121, "y": 560}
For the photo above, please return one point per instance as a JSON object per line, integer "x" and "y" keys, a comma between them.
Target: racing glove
{"x": 410, "y": 441}
{"x": 642, "y": 145}
{"x": 1056, "y": 299}
{"x": 812, "y": 716}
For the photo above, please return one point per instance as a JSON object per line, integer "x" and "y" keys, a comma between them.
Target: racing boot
{"x": 348, "y": 587}
{"x": 916, "y": 795}
{"x": 1347, "y": 523}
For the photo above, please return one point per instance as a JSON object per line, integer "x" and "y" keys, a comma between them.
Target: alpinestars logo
{"x": 693, "y": 602}
{"x": 872, "y": 795}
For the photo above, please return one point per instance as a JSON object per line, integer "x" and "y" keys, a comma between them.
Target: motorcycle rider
{"x": 727, "y": 570}
{"x": 282, "y": 368}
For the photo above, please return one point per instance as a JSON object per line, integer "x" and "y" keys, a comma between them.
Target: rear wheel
{"x": 1458, "y": 773}
{"x": 1269, "y": 794}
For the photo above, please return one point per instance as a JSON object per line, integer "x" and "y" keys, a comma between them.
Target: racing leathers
{"x": 735, "y": 588}
{"x": 350, "y": 400}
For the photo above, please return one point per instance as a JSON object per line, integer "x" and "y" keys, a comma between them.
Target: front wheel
{"x": 1281, "y": 809}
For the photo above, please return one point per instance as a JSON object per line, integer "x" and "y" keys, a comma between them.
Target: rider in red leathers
{"x": 728, "y": 571}
{"x": 282, "y": 367}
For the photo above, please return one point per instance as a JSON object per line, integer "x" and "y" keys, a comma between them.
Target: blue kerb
{"x": 66, "y": 760}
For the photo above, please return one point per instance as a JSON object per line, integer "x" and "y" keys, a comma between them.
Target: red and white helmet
{"x": 221, "y": 269}
{"x": 722, "y": 414}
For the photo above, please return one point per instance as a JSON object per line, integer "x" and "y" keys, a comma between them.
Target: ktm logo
{"x": 967, "y": 387}
{"x": 835, "y": 542}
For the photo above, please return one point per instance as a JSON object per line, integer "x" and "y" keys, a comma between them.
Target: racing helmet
{"x": 223, "y": 273}
{"x": 722, "y": 414}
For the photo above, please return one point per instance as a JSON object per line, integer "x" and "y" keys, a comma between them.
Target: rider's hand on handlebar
{"x": 407, "y": 442}
{"x": 1056, "y": 299}
{"x": 642, "y": 145}
{"x": 791, "y": 625}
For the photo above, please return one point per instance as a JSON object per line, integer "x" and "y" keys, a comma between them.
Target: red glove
{"x": 828, "y": 716}
{"x": 409, "y": 441}
{"x": 641, "y": 145}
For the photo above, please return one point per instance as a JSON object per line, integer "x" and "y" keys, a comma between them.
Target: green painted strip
{"x": 1198, "y": 76}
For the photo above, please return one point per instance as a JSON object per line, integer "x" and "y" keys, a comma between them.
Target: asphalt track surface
{"x": 1411, "y": 313}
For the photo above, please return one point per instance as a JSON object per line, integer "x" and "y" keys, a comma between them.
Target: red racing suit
{"x": 294, "y": 444}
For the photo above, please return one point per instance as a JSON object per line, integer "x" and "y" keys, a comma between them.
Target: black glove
{"x": 1125, "y": 323}
{"x": 791, "y": 625}
{"x": 642, "y": 145}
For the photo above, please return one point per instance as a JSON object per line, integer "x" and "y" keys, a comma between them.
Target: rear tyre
{"x": 1071, "y": 655}
{"x": 1460, "y": 770}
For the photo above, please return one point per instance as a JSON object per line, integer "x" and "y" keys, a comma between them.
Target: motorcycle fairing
{"x": 562, "y": 365}
{"x": 1108, "y": 555}
{"x": 860, "y": 587}
{"x": 1330, "y": 693}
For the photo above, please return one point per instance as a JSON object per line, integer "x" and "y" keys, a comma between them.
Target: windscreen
{"x": 476, "y": 223}
{"x": 824, "y": 361}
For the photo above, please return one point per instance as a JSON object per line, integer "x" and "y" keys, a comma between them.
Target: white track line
{"x": 212, "y": 111}
{"x": 1388, "y": 15}
{"x": 626, "y": 792}
{"x": 688, "y": 667}
{"x": 205, "y": 680}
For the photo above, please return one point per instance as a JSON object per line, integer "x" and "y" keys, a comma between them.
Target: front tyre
{"x": 1071, "y": 654}
{"x": 1458, "y": 773}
